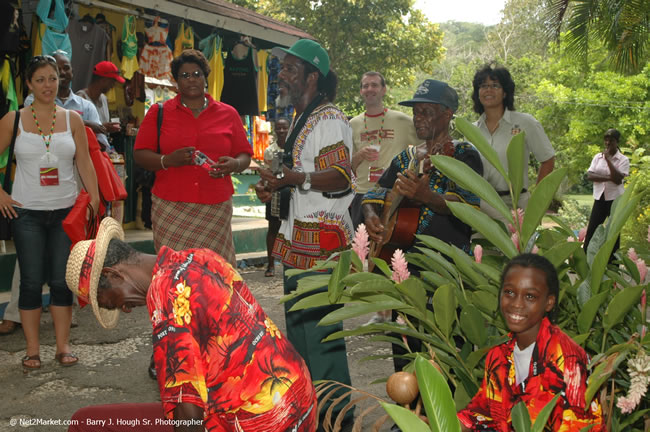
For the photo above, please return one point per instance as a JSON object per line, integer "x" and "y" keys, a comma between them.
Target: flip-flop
{"x": 60, "y": 356}
{"x": 35, "y": 358}
{"x": 270, "y": 272}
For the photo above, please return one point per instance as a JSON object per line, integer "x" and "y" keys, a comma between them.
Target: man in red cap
{"x": 105, "y": 74}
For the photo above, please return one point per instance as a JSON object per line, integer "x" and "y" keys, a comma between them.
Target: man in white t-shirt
{"x": 378, "y": 135}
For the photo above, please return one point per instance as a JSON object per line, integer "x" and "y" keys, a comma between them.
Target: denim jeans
{"x": 42, "y": 248}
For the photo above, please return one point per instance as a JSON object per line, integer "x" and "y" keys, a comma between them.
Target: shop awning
{"x": 227, "y": 16}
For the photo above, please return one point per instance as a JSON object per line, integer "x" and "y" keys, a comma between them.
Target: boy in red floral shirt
{"x": 538, "y": 362}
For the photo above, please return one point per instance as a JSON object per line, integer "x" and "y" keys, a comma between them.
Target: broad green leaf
{"x": 445, "y": 310}
{"x": 342, "y": 269}
{"x": 520, "y": 418}
{"x": 434, "y": 243}
{"x": 589, "y": 311}
{"x": 307, "y": 285}
{"x": 584, "y": 292}
{"x": 632, "y": 269}
{"x": 622, "y": 212}
{"x": 475, "y": 357}
{"x": 413, "y": 290}
{"x": 485, "y": 225}
{"x": 516, "y": 164}
{"x": 539, "y": 201}
{"x": 357, "y": 309}
{"x": 442, "y": 266}
{"x": 434, "y": 278}
{"x": 465, "y": 266}
{"x": 405, "y": 419}
{"x": 544, "y": 414}
{"x": 579, "y": 261}
{"x": 485, "y": 300}
{"x": 381, "y": 265}
{"x": 464, "y": 176}
{"x": 561, "y": 252}
{"x": 596, "y": 243}
{"x": 473, "y": 325}
{"x": 490, "y": 272}
{"x": 580, "y": 339}
{"x": 602, "y": 373}
{"x": 474, "y": 135}
{"x": 355, "y": 278}
{"x": 315, "y": 300}
{"x": 373, "y": 286}
{"x": 621, "y": 304}
{"x": 436, "y": 397}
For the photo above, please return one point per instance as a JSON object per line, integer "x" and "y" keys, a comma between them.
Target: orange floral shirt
{"x": 214, "y": 347}
{"x": 558, "y": 365}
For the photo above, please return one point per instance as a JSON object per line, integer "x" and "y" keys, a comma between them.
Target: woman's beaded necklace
{"x": 381, "y": 128}
{"x": 47, "y": 140}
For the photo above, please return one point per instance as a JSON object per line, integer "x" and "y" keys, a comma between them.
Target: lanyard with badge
{"x": 48, "y": 166}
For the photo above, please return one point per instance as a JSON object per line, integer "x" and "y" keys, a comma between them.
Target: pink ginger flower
{"x": 643, "y": 269}
{"x": 400, "y": 267}
{"x": 570, "y": 239}
{"x": 535, "y": 250}
{"x": 644, "y": 302}
{"x": 518, "y": 216}
{"x": 478, "y": 253}
{"x": 582, "y": 234}
{"x": 515, "y": 240}
{"x": 631, "y": 254}
{"x": 360, "y": 244}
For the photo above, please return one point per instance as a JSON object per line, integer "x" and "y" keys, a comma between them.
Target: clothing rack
{"x": 114, "y": 8}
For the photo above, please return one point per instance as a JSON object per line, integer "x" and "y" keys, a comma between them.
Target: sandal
{"x": 8, "y": 327}
{"x": 61, "y": 356}
{"x": 270, "y": 272}
{"x": 32, "y": 358}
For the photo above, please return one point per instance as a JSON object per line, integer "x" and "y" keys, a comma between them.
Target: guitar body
{"x": 399, "y": 233}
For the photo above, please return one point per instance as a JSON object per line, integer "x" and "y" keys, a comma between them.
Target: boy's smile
{"x": 525, "y": 301}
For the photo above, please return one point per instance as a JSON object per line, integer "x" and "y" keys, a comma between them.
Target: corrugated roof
{"x": 230, "y": 10}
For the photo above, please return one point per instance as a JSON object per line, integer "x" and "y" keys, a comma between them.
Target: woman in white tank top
{"x": 50, "y": 141}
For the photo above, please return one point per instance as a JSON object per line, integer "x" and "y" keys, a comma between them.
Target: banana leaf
{"x": 485, "y": 225}
{"x": 436, "y": 397}
{"x": 539, "y": 201}
{"x": 516, "y": 164}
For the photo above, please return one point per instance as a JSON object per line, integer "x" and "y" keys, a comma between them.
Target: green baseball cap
{"x": 308, "y": 50}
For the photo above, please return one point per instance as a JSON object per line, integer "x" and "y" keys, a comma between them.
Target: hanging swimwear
{"x": 129, "y": 48}
{"x": 184, "y": 40}
{"x": 240, "y": 84}
{"x": 54, "y": 38}
{"x": 156, "y": 56}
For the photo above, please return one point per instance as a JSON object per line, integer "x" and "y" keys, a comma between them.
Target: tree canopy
{"x": 388, "y": 36}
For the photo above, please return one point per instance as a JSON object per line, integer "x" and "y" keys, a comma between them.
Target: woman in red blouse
{"x": 191, "y": 205}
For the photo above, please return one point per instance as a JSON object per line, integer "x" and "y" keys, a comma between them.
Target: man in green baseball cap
{"x": 315, "y": 192}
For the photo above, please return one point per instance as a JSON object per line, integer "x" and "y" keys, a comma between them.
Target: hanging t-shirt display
{"x": 156, "y": 56}
{"x": 184, "y": 40}
{"x": 211, "y": 48}
{"x": 262, "y": 79}
{"x": 53, "y": 37}
{"x": 89, "y": 42}
{"x": 129, "y": 48}
{"x": 240, "y": 84}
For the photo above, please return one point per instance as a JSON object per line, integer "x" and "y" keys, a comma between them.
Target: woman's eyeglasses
{"x": 493, "y": 86}
{"x": 187, "y": 75}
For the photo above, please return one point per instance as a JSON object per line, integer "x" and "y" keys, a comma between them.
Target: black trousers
{"x": 599, "y": 212}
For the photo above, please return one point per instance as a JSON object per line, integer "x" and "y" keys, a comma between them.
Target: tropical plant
{"x": 598, "y": 304}
{"x": 622, "y": 25}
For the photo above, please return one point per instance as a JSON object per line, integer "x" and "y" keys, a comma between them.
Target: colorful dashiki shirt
{"x": 447, "y": 228}
{"x": 214, "y": 347}
{"x": 317, "y": 225}
{"x": 558, "y": 365}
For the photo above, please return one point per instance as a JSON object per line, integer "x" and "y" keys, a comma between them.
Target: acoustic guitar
{"x": 399, "y": 217}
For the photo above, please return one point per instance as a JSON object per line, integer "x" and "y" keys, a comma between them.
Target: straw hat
{"x": 85, "y": 265}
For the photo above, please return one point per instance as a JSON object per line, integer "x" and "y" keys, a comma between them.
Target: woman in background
{"x": 50, "y": 141}
{"x": 192, "y": 205}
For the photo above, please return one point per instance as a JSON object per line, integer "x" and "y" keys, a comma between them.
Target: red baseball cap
{"x": 109, "y": 70}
